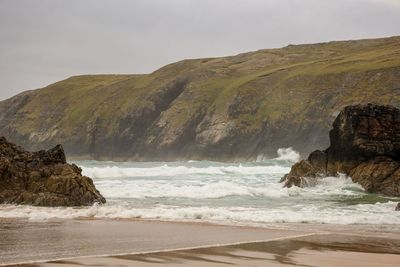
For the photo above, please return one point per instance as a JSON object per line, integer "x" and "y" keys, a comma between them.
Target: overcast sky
{"x": 44, "y": 41}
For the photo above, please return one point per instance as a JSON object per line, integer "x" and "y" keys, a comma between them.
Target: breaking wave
{"x": 167, "y": 170}
{"x": 380, "y": 213}
{"x": 142, "y": 188}
{"x": 225, "y": 193}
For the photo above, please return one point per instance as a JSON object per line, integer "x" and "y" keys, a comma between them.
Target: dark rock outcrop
{"x": 43, "y": 178}
{"x": 380, "y": 175}
{"x": 365, "y": 144}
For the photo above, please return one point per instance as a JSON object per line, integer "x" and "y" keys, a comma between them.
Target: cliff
{"x": 230, "y": 108}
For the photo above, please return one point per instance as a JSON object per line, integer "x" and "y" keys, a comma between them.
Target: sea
{"x": 240, "y": 193}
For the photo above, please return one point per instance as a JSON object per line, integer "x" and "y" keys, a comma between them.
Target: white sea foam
{"x": 166, "y": 170}
{"x": 288, "y": 154}
{"x": 380, "y": 213}
{"x": 219, "y": 188}
{"x": 246, "y": 194}
{"x": 197, "y": 190}
{"x": 328, "y": 186}
{"x": 284, "y": 154}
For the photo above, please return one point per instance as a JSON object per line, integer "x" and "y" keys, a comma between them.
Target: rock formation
{"x": 43, "y": 178}
{"x": 365, "y": 144}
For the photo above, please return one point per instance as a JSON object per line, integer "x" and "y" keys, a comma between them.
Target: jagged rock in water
{"x": 364, "y": 144}
{"x": 381, "y": 175}
{"x": 43, "y": 178}
{"x": 300, "y": 174}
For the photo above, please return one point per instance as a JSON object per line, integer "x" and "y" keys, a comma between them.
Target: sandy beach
{"x": 26, "y": 241}
{"x": 287, "y": 252}
{"x": 154, "y": 243}
{"x": 304, "y": 251}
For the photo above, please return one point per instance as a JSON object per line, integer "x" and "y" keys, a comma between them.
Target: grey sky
{"x": 44, "y": 41}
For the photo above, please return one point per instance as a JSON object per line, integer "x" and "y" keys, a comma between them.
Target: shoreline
{"x": 25, "y": 241}
{"x": 114, "y": 211}
{"x": 165, "y": 250}
{"x": 365, "y": 229}
{"x": 63, "y": 239}
{"x": 282, "y": 251}
{"x": 358, "y": 229}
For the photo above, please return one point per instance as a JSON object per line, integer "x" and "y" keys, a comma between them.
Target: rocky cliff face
{"x": 43, "y": 178}
{"x": 231, "y": 108}
{"x": 365, "y": 144}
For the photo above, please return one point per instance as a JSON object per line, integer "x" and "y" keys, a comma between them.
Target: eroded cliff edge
{"x": 364, "y": 144}
{"x": 224, "y": 109}
{"x": 43, "y": 178}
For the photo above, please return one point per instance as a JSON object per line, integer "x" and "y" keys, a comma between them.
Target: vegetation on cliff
{"x": 216, "y": 108}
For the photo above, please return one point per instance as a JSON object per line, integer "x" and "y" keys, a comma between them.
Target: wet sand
{"x": 311, "y": 251}
{"x": 26, "y": 241}
{"x": 152, "y": 243}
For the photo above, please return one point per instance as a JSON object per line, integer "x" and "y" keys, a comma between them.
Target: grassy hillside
{"x": 217, "y": 108}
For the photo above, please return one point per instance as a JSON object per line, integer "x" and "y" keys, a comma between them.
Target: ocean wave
{"x": 330, "y": 186}
{"x": 166, "y": 170}
{"x": 380, "y": 213}
{"x": 140, "y": 189}
{"x": 196, "y": 189}
{"x": 246, "y": 194}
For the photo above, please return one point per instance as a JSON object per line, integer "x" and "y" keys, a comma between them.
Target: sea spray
{"x": 288, "y": 154}
{"x": 284, "y": 154}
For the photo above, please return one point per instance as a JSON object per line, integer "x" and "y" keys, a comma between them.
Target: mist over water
{"x": 246, "y": 193}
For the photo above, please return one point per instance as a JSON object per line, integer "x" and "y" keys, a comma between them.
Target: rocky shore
{"x": 364, "y": 144}
{"x": 43, "y": 178}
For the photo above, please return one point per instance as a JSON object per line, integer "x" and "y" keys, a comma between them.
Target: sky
{"x": 44, "y": 41}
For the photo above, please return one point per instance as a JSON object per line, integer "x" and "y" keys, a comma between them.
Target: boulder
{"x": 319, "y": 160}
{"x": 364, "y": 144}
{"x": 43, "y": 178}
{"x": 378, "y": 175}
{"x": 361, "y": 133}
{"x": 301, "y": 174}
